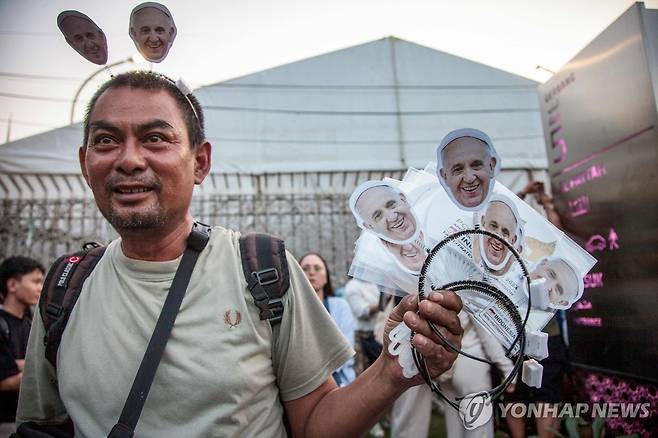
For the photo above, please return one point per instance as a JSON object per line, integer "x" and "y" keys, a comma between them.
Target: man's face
{"x": 85, "y": 38}
{"x": 387, "y": 213}
{"x": 138, "y": 160}
{"x": 467, "y": 170}
{"x": 561, "y": 281}
{"x": 27, "y": 288}
{"x": 152, "y": 31}
{"x": 498, "y": 219}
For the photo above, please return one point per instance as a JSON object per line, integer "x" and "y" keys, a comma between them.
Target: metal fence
{"x": 322, "y": 223}
{"x": 45, "y": 216}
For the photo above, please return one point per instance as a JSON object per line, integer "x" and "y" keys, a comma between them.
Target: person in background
{"x": 537, "y": 190}
{"x": 317, "y": 272}
{"x": 363, "y": 298}
{"x": 556, "y": 365}
{"x": 468, "y": 376}
{"x": 21, "y": 279}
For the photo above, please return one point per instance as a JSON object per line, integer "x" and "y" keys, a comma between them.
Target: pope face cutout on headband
{"x": 84, "y": 36}
{"x": 152, "y": 29}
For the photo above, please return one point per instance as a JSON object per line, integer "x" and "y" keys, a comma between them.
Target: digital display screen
{"x": 600, "y": 124}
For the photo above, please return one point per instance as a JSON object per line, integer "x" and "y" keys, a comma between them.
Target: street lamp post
{"x": 539, "y": 67}
{"x": 86, "y": 81}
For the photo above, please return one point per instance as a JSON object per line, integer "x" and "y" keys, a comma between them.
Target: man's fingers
{"x": 408, "y": 303}
{"x": 419, "y": 325}
{"x": 439, "y": 357}
{"x": 447, "y": 299}
{"x": 440, "y": 316}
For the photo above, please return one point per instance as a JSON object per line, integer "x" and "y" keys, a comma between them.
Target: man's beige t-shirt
{"x": 217, "y": 376}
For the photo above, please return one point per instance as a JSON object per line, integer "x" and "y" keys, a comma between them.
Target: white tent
{"x": 377, "y": 107}
{"x": 289, "y": 146}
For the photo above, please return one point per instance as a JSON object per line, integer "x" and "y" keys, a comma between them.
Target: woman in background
{"x": 317, "y": 272}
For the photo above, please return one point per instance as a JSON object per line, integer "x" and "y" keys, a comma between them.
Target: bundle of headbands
{"x": 453, "y": 226}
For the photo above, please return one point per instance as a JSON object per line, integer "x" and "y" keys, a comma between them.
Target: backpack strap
{"x": 60, "y": 292}
{"x": 265, "y": 269}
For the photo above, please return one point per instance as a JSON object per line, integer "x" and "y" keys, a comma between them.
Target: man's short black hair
{"x": 146, "y": 80}
{"x": 16, "y": 267}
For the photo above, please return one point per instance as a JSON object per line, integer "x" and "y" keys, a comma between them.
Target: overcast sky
{"x": 223, "y": 39}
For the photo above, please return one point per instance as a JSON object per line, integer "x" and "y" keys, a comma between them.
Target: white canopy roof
{"x": 378, "y": 106}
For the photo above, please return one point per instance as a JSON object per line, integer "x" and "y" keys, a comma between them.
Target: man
{"x": 563, "y": 284}
{"x": 501, "y": 218}
{"x": 152, "y": 29}
{"x": 383, "y": 209}
{"x": 467, "y": 164}
{"x": 20, "y": 285}
{"x": 83, "y": 35}
{"x": 144, "y": 150}
{"x": 363, "y": 298}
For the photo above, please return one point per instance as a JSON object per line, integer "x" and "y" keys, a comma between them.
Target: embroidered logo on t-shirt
{"x": 232, "y": 318}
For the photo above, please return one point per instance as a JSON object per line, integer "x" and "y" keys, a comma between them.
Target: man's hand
{"x": 441, "y": 309}
{"x": 532, "y": 187}
{"x": 352, "y": 410}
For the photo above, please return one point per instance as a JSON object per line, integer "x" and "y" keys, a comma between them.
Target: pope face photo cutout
{"x": 383, "y": 209}
{"x": 153, "y": 30}
{"x": 84, "y": 36}
{"x": 501, "y": 217}
{"x": 563, "y": 284}
{"x": 467, "y": 165}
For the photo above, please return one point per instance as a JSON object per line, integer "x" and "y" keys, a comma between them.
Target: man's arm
{"x": 11, "y": 383}
{"x": 352, "y": 410}
{"x": 10, "y": 370}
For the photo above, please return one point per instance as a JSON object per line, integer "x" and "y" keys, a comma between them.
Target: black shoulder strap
{"x": 265, "y": 269}
{"x": 60, "y": 292}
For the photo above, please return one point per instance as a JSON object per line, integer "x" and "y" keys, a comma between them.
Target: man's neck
{"x": 14, "y": 307}
{"x": 157, "y": 245}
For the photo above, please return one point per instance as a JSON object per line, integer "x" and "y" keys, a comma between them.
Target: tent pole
{"x": 398, "y": 116}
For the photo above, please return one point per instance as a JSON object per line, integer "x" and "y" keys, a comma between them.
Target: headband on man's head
{"x": 92, "y": 49}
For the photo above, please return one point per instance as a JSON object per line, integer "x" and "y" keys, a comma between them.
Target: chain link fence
{"x": 322, "y": 223}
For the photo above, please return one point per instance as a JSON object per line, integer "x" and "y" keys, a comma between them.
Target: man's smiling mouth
{"x": 470, "y": 188}
{"x": 398, "y": 224}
